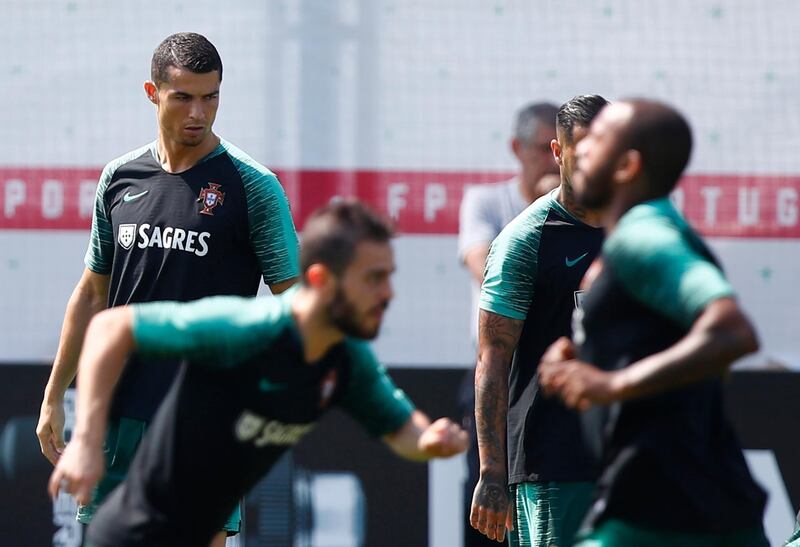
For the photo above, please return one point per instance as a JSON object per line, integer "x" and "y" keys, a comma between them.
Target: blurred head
{"x": 572, "y": 124}
{"x": 186, "y": 73}
{"x": 533, "y": 131}
{"x": 636, "y": 146}
{"x": 346, "y": 256}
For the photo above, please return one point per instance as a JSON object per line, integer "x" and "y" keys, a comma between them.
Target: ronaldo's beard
{"x": 345, "y": 317}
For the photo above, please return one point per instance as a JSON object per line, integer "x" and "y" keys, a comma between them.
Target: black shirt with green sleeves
{"x": 244, "y": 397}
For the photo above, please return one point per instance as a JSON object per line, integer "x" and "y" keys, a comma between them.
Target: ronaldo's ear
{"x": 151, "y": 91}
{"x": 556, "y": 148}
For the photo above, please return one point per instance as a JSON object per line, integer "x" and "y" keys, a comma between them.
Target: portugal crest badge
{"x": 211, "y": 197}
{"x": 126, "y": 235}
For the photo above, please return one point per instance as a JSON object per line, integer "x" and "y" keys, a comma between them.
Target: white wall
{"x": 368, "y": 84}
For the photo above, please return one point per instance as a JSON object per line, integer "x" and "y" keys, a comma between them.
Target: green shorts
{"x": 619, "y": 533}
{"x": 123, "y": 438}
{"x": 548, "y": 513}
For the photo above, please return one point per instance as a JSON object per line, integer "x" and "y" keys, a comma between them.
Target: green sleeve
{"x": 100, "y": 253}
{"x": 272, "y": 232}
{"x": 511, "y": 268}
{"x": 216, "y": 331}
{"x": 657, "y": 263}
{"x": 371, "y": 397}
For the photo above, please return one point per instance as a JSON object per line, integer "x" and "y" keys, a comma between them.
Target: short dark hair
{"x": 187, "y": 50}
{"x": 531, "y": 117}
{"x": 579, "y": 110}
{"x": 333, "y": 232}
{"x": 664, "y": 139}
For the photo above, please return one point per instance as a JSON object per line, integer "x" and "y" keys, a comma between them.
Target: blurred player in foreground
{"x": 658, "y": 329}
{"x": 531, "y": 289}
{"x": 184, "y": 217}
{"x": 260, "y": 373}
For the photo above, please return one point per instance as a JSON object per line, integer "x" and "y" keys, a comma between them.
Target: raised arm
{"x": 497, "y": 337}
{"x": 88, "y": 298}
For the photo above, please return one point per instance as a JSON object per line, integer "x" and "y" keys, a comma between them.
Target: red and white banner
{"x": 421, "y": 202}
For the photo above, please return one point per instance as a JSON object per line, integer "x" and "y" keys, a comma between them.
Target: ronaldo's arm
{"x": 89, "y": 297}
{"x": 497, "y": 337}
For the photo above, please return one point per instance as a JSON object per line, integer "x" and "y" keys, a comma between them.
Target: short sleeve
{"x": 660, "y": 266}
{"x": 272, "y": 230}
{"x": 511, "y": 268}
{"x": 100, "y": 254}
{"x": 216, "y": 331}
{"x": 371, "y": 397}
{"x": 476, "y": 222}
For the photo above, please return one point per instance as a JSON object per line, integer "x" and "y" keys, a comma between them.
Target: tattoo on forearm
{"x": 499, "y": 332}
{"x": 498, "y": 338}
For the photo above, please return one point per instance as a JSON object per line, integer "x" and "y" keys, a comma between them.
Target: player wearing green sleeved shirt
{"x": 658, "y": 328}
{"x": 259, "y": 374}
{"x": 536, "y": 473}
{"x": 185, "y": 217}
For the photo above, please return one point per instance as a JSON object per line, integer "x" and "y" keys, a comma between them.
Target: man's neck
{"x": 318, "y": 336}
{"x": 620, "y": 205}
{"x": 176, "y": 158}
{"x": 567, "y": 200}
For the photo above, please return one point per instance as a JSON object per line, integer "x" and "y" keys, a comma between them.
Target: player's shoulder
{"x": 245, "y": 164}
{"x": 253, "y": 311}
{"x": 360, "y": 353}
{"x": 647, "y": 230}
{"x": 529, "y": 223}
{"x": 112, "y": 167}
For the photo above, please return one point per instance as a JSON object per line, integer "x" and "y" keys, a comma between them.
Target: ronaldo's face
{"x": 597, "y": 155}
{"x": 187, "y": 105}
{"x": 364, "y": 291}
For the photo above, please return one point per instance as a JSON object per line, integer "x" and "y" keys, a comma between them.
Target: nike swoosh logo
{"x": 571, "y": 263}
{"x": 128, "y": 197}
{"x": 266, "y": 385}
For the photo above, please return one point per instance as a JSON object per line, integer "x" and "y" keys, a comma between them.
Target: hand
{"x": 50, "y": 430}
{"x": 78, "y": 471}
{"x": 579, "y": 384}
{"x": 491, "y": 513}
{"x": 442, "y": 439}
{"x": 561, "y": 350}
